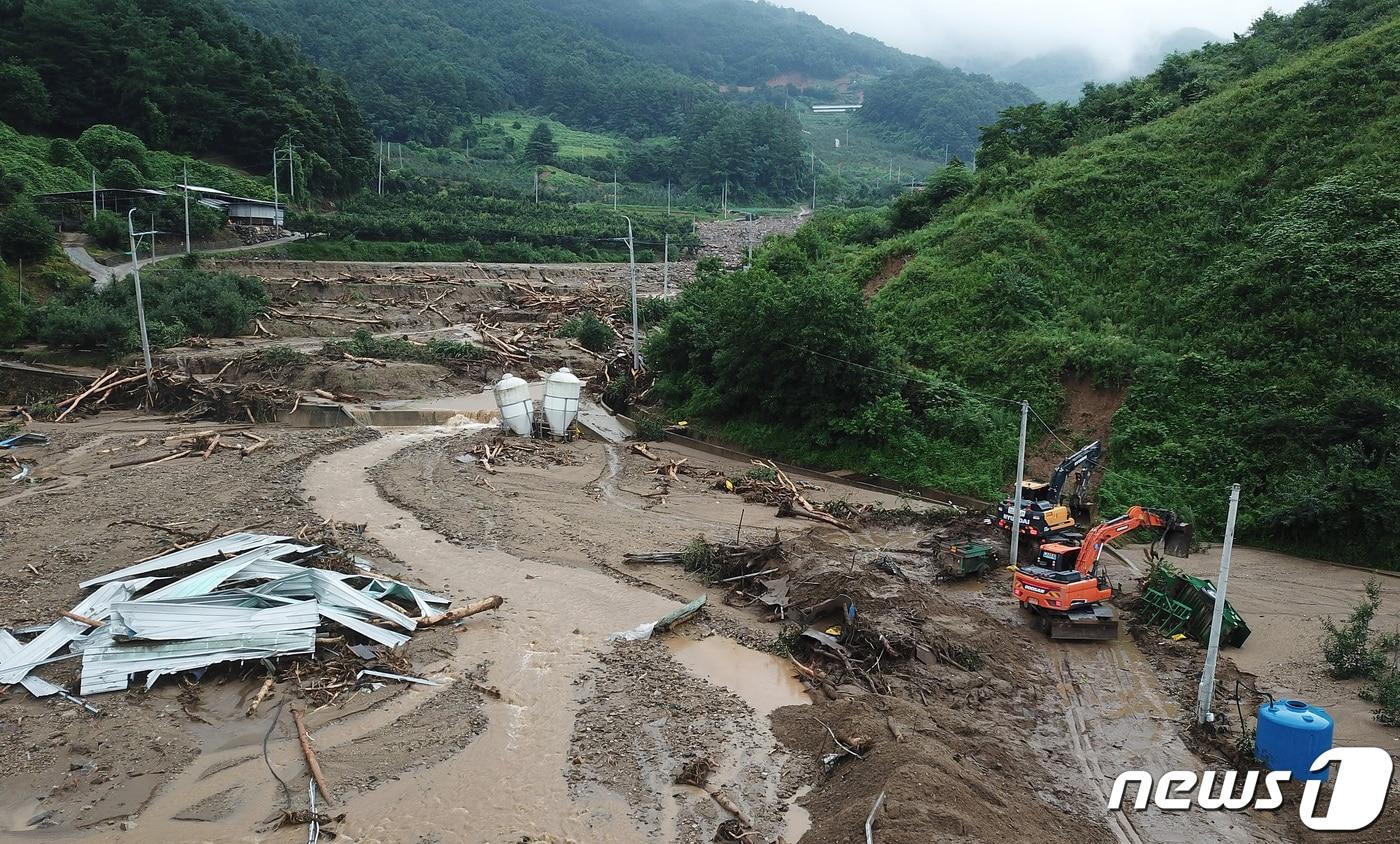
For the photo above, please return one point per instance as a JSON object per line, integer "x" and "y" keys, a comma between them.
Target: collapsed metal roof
{"x": 253, "y": 596}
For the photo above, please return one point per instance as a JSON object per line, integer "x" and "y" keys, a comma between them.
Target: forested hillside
{"x": 180, "y": 74}
{"x": 1232, "y": 266}
{"x": 937, "y": 106}
{"x": 1182, "y": 79}
{"x": 422, "y": 67}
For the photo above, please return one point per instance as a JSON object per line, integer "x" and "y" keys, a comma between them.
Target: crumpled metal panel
{"x": 37, "y": 686}
{"x": 17, "y": 665}
{"x": 170, "y": 621}
{"x": 347, "y": 618}
{"x": 330, "y": 588}
{"x": 108, "y": 664}
{"x": 207, "y": 580}
{"x": 234, "y": 543}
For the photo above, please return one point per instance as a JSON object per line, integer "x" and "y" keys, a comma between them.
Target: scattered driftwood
{"x": 200, "y": 444}
{"x": 312, "y": 764}
{"x": 185, "y": 396}
{"x": 261, "y": 696}
{"x": 331, "y": 317}
{"x": 460, "y": 613}
{"x": 717, "y": 561}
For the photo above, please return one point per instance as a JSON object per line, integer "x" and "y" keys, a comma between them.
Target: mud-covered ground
{"x": 972, "y": 725}
{"x": 75, "y": 518}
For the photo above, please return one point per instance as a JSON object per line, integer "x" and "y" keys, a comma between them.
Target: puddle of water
{"x": 764, "y": 681}
{"x": 797, "y": 821}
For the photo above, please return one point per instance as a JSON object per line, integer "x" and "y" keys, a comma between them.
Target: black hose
{"x": 286, "y": 792}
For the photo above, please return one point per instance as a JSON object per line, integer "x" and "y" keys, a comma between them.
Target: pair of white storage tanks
{"x": 562, "y": 391}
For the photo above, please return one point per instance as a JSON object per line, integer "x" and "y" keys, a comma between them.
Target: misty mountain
{"x": 1061, "y": 74}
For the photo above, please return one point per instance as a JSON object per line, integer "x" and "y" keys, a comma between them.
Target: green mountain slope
{"x": 420, "y": 67}
{"x": 937, "y": 106}
{"x": 1233, "y": 266}
{"x": 180, "y": 74}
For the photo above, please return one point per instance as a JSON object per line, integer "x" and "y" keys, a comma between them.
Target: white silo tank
{"x": 517, "y": 408}
{"x": 561, "y": 396}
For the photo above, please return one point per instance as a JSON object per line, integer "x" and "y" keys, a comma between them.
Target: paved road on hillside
{"x": 103, "y": 275}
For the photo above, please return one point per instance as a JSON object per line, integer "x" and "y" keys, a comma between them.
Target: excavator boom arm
{"x": 1101, "y": 535}
{"x": 1088, "y": 455}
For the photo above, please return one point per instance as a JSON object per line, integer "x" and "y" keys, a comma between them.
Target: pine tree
{"x": 541, "y": 148}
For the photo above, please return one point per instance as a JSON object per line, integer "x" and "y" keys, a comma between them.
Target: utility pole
{"x": 724, "y": 199}
{"x": 814, "y": 183}
{"x": 187, "y": 209}
{"x": 1206, "y": 692}
{"x": 1020, "y": 476}
{"x": 132, "y": 234}
{"x": 537, "y": 186}
{"x": 668, "y": 197}
{"x": 748, "y": 237}
{"x": 666, "y": 263}
{"x": 94, "y": 193}
{"x": 632, "y": 274}
{"x": 275, "y": 197}
{"x": 381, "y": 166}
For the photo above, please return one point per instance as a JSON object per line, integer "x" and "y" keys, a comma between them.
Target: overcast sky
{"x": 1112, "y": 29}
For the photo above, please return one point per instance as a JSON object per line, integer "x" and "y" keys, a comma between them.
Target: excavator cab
{"x": 1178, "y": 538}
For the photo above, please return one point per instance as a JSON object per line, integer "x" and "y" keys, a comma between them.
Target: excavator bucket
{"x": 1176, "y": 542}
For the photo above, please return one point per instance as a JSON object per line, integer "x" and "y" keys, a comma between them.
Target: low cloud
{"x": 1003, "y": 31}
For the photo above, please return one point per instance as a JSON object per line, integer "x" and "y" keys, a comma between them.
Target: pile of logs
{"x": 502, "y": 450}
{"x": 185, "y": 396}
{"x": 200, "y": 444}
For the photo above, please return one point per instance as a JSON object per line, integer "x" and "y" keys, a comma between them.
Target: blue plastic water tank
{"x": 1291, "y": 735}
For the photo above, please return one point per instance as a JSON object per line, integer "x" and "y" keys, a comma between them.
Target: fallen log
{"x": 471, "y": 609}
{"x": 312, "y": 764}
{"x": 260, "y": 696}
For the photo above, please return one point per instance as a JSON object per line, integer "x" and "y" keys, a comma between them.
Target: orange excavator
{"x": 1067, "y": 585}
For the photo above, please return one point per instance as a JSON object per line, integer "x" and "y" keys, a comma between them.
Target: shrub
{"x": 64, "y": 153}
{"x": 436, "y": 350}
{"x": 25, "y": 234}
{"x": 591, "y": 332}
{"x": 107, "y": 229}
{"x": 1348, "y": 648}
{"x": 103, "y": 144}
{"x": 122, "y": 173}
{"x": 1385, "y": 694}
{"x": 281, "y": 357}
{"x": 178, "y": 303}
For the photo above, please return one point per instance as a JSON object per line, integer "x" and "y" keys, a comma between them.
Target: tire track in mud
{"x": 1118, "y": 721}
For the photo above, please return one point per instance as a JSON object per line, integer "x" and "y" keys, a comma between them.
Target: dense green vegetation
{"x": 1231, "y": 265}
{"x": 457, "y": 224}
{"x": 179, "y": 303}
{"x": 1041, "y": 129}
{"x": 422, "y": 67}
{"x": 935, "y": 107}
{"x": 434, "y": 350}
{"x": 180, "y": 74}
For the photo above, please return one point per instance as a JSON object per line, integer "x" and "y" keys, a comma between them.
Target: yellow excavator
{"x": 1045, "y": 509}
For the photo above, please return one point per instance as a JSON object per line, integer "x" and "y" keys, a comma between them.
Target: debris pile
{"x": 185, "y": 396}
{"x": 729, "y": 240}
{"x": 504, "y": 451}
{"x": 240, "y": 597}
